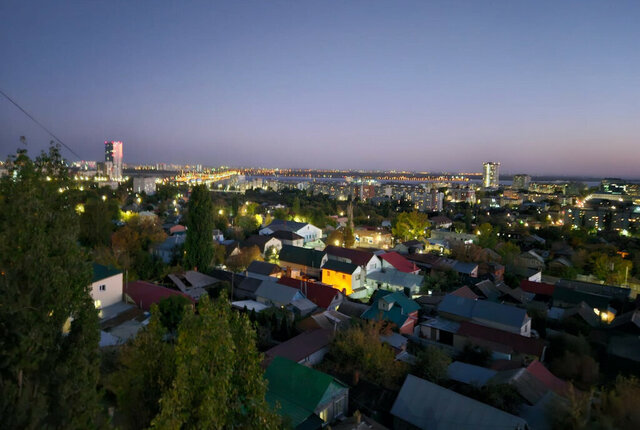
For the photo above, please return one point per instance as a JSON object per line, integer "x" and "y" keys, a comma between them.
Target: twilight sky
{"x": 544, "y": 87}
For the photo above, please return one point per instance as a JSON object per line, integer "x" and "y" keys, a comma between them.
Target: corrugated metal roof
{"x": 429, "y": 406}
{"x": 470, "y": 374}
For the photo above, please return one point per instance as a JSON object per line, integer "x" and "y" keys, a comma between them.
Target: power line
{"x": 41, "y": 126}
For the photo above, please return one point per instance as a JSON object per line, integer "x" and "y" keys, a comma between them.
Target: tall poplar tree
{"x": 200, "y": 224}
{"x": 49, "y": 359}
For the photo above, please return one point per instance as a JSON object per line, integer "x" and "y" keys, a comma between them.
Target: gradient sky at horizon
{"x": 544, "y": 87}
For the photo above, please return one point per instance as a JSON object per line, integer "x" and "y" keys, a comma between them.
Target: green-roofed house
{"x": 394, "y": 307}
{"x": 302, "y": 261}
{"x": 309, "y": 398}
{"x": 106, "y": 286}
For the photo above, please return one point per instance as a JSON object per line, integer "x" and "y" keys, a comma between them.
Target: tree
{"x": 620, "y": 404}
{"x": 342, "y": 237}
{"x": 96, "y": 223}
{"x": 295, "y": 207}
{"x": 240, "y": 262}
{"x": 198, "y": 247}
{"x": 358, "y": 350}
{"x": 509, "y": 251}
{"x": 432, "y": 364}
{"x": 487, "y": 236}
{"x": 446, "y": 280}
{"x": 137, "y": 235}
{"x": 49, "y": 331}
{"x": 410, "y": 225}
{"x": 474, "y": 354}
{"x": 171, "y": 310}
{"x": 218, "y": 382}
{"x": 147, "y": 369}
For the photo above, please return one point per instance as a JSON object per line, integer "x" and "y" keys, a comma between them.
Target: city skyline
{"x": 545, "y": 88}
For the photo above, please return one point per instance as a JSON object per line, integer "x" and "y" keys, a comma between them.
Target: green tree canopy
{"x": 432, "y": 364}
{"x": 198, "y": 247}
{"x": 411, "y": 225}
{"x": 218, "y": 382}
{"x": 48, "y": 323}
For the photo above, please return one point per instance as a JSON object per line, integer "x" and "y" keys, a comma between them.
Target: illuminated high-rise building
{"x": 490, "y": 174}
{"x": 113, "y": 160}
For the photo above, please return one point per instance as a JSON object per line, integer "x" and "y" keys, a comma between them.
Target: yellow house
{"x": 342, "y": 276}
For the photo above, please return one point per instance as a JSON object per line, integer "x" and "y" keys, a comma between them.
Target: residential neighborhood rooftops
{"x": 426, "y": 405}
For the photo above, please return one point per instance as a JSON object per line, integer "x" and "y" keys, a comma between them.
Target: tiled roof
{"x": 399, "y": 262}
{"x": 144, "y": 294}
{"x": 360, "y": 258}
{"x": 319, "y": 293}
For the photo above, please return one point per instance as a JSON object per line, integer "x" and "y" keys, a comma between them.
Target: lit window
{"x": 324, "y": 415}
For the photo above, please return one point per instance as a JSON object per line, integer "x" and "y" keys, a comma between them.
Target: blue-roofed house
{"x": 394, "y": 307}
{"x": 495, "y": 315}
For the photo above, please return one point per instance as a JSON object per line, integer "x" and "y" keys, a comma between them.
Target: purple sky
{"x": 543, "y": 87}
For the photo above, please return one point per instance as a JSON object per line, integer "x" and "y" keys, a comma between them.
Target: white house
{"x": 106, "y": 286}
{"x": 309, "y": 232}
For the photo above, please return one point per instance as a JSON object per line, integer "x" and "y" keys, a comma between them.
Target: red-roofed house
{"x": 551, "y": 381}
{"x": 537, "y": 287}
{"x": 393, "y": 260}
{"x": 144, "y": 294}
{"x": 323, "y": 295}
{"x": 502, "y": 343}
